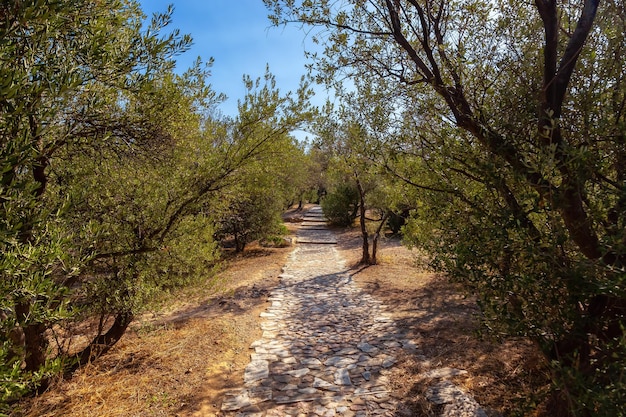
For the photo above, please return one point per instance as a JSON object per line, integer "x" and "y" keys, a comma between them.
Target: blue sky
{"x": 241, "y": 39}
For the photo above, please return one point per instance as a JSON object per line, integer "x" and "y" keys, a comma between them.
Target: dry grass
{"x": 443, "y": 322}
{"x": 180, "y": 360}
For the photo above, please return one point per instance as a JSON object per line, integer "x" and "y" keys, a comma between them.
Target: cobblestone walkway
{"x": 327, "y": 347}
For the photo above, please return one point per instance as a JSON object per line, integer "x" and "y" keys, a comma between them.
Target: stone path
{"x": 326, "y": 347}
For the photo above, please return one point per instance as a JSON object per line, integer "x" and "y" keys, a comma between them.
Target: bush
{"x": 250, "y": 216}
{"x": 341, "y": 204}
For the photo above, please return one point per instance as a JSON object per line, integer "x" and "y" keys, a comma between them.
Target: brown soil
{"x": 443, "y": 322}
{"x": 181, "y": 360}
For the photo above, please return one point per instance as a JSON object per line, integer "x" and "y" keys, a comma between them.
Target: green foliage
{"x": 278, "y": 240}
{"x": 249, "y": 217}
{"x": 57, "y": 59}
{"x": 114, "y": 173}
{"x": 266, "y": 167}
{"x": 601, "y": 394}
{"x": 507, "y": 122}
{"x": 340, "y": 205}
{"x": 530, "y": 282}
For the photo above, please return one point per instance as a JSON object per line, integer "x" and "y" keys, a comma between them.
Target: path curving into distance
{"x": 327, "y": 346}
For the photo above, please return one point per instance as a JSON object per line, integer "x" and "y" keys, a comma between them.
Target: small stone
{"x": 285, "y": 379}
{"x": 341, "y": 361}
{"x": 362, "y": 391}
{"x": 347, "y": 351}
{"x": 308, "y": 390}
{"x": 298, "y": 372}
{"x": 260, "y": 350}
{"x": 282, "y": 353}
{"x": 236, "y": 401}
{"x": 342, "y": 377}
{"x": 381, "y": 396}
{"x": 386, "y": 405}
{"x": 263, "y": 357}
{"x": 358, "y": 401}
{"x": 257, "y": 343}
{"x": 409, "y": 345}
{"x": 320, "y": 383}
{"x": 319, "y": 410}
{"x": 256, "y": 370}
{"x": 311, "y": 362}
{"x": 389, "y": 361}
{"x": 367, "y": 348}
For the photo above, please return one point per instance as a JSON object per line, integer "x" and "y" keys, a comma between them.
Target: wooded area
{"x": 490, "y": 134}
{"x": 120, "y": 177}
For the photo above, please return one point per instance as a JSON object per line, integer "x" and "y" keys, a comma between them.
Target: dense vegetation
{"x": 119, "y": 177}
{"x": 505, "y": 122}
{"x": 495, "y": 130}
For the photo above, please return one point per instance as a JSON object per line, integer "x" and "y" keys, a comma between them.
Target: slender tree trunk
{"x": 374, "y": 260}
{"x": 240, "y": 243}
{"x": 102, "y": 343}
{"x": 239, "y": 240}
{"x": 365, "y": 258}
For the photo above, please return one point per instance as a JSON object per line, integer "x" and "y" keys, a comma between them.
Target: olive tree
{"x": 351, "y": 136}
{"x": 57, "y": 57}
{"x": 113, "y": 170}
{"x": 513, "y": 132}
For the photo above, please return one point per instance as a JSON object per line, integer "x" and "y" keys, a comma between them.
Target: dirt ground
{"x": 504, "y": 377}
{"x": 180, "y": 360}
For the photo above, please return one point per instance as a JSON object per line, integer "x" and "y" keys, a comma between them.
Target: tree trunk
{"x": 29, "y": 335}
{"x": 239, "y": 240}
{"x": 365, "y": 258}
{"x": 32, "y": 338}
{"x": 102, "y": 343}
{"x": 575, "y": 352}
{"x": 374, "y": 260}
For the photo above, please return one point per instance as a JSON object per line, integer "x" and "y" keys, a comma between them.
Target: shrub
{"x": 341, "y": 204}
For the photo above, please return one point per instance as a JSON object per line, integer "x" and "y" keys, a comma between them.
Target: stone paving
{"x": 327, "y": 347}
